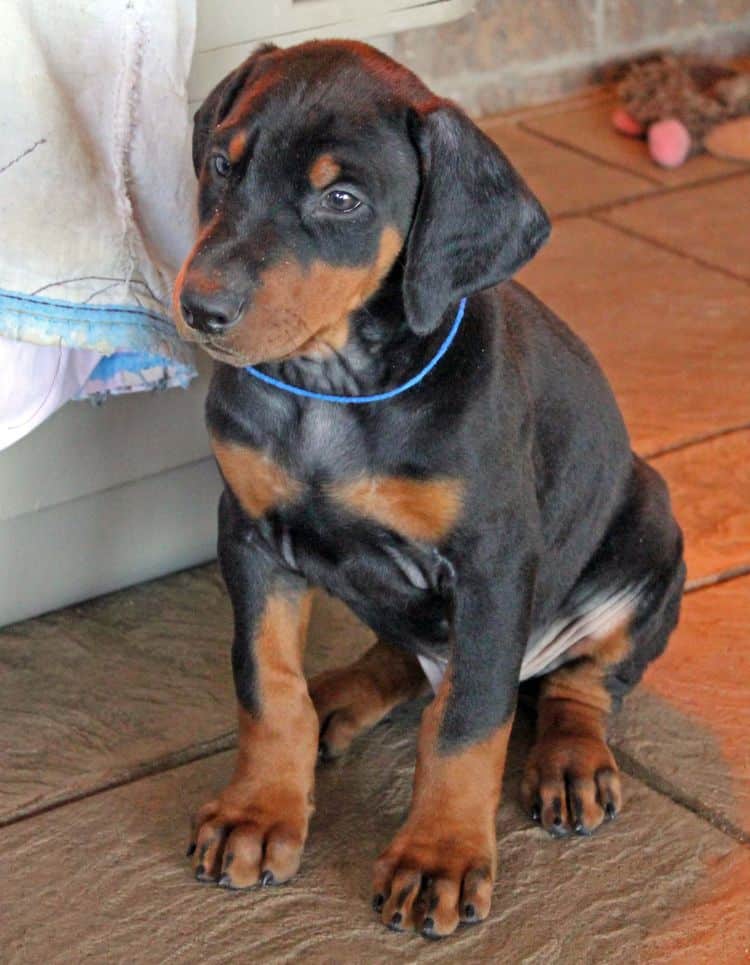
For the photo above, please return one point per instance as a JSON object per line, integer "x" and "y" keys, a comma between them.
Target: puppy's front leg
{"x": 254, "y": 831}
{"x": 440, "y": 867}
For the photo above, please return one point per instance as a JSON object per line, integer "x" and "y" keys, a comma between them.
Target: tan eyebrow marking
{"x": 237, "y": 146}
{"x": 324, "y": 171}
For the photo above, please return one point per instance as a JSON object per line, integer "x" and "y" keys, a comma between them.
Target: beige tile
{"x": 710, "y": 485}
{"x": 96, "y": 693}
{"x": 105, "y": 880}
{"x": 563, "y": 180}
{"x": 674, "y": 338}
{"x": 688, "y": 722}
{"x": 708, "y": 221}
{"x": 590, "y": 129}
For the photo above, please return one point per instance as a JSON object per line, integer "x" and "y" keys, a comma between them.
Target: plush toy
{"x": 685, "y": 105}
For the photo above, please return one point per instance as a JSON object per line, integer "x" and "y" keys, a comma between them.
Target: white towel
{"x": 97, "y": 193}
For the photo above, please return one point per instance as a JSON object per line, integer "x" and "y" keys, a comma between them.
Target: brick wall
{"x": 512, "y": 52}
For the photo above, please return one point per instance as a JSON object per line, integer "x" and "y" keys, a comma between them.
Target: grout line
{"x": 674, "y": 188}
{"x": 629, "y": 765}
{"x": 665, "y": 190}
{"x": 590, "y": 96}
{"x": 714, "y": 579}
{"x": 707, "y": 436}
{"x": 656, "y": 243}
{"x": 159, "y": 765}
{"x": 577, "y": 149}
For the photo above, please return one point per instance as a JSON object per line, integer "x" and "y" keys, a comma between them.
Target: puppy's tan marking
{"x": 237, "y": 146}
{"x": 257, "y": 481}
{"x": 350, "y": 700}
{"x": 298, "y": 311}
{"x": 203, "y": 237}
{"x": 442, "y": 863}
{"x": 323, "y": 171}
{"x": 420, "y": 509}
{"x": 257, "y": 826}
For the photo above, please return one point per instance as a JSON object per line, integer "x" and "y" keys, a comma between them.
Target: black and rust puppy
{"x": 491, "y": 522}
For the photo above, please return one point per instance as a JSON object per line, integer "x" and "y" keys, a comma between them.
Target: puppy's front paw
{"x": 571, "y": 783}
{"x": 429, "y": 880}
{"x": 249, "y": 837}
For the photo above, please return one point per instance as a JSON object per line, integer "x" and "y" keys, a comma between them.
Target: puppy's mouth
{"x": 309, "y": 346}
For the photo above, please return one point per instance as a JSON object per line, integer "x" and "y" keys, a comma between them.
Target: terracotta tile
{"x": 593, "y": 94}
{"x": 93, "y": 694}
{"x": 105, "y": 879}
{"x": 709, "y": 484}
{"x": 688, "y": 722}
{"x": 674, "y": 338}
{"x": 589, "y": 129}
{"x": 564, "y": 180}
{"x": 707, "y": 221}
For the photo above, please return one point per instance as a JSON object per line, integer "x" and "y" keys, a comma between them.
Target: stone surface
{"x": 633, "y": 21}
{"x": 709, "y": 484}
{"x": 105, "y": 879}
{"x": 688, "y": 722}
{"x": 497, "y": 34}
{"x": 99, "y": 692}
{"x": 673, "y": 337}
{"x": 708, "y": 222}
{"x": 590, "y": 130}
{"x": 563, "y": 180}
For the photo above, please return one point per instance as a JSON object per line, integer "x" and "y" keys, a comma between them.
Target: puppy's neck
{"x": 381, "y": 353}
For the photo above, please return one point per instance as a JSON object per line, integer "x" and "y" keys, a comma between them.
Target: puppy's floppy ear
{"x": 219, "y": 102}
{"x": 476, "y": 221}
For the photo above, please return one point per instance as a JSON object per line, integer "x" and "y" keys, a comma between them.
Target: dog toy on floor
{"x": 685, "y": 105}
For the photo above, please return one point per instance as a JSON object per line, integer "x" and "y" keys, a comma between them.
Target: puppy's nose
{"x": 211, "y": 314}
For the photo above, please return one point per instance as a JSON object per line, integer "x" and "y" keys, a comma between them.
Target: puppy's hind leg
{"x": 351, "y": 700}
{"x": 571, "y": 780}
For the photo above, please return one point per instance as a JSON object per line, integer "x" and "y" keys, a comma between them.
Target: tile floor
{"x": 116, "y": 716}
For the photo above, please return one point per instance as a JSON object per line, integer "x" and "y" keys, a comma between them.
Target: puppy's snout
{"x": 210, "y": 313}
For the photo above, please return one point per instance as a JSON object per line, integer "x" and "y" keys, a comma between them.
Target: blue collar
{"x": 380, "y": 397}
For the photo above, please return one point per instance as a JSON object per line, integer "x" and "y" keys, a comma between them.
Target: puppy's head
{"x": 323, "y": 169}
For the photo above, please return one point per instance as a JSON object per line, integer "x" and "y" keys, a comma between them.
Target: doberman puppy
{"x": 489, "y": 524}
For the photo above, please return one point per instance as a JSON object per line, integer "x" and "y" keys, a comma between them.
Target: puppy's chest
{"x": 422, "y": 509}
{"x": 326, "y": 478}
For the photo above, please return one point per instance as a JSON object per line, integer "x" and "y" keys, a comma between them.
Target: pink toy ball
{"x": 625, "y": 123}
{"x": 669, "y": 143}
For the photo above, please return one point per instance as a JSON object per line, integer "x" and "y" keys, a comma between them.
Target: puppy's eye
{"x": 342, "y": 202}
{"x": 222, "y": 165}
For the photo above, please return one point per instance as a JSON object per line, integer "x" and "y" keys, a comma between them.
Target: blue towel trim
{"x": 132, "y": 337}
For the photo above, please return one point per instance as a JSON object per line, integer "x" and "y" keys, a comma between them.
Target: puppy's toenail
{"x": 610, "y": 811}
{"x": 225, "y": 881}
{"x": 190, "y": 850}
{"x": 428, "y": 925}
{"x": 266, "y": 878}
{"x": 470, "y": 911}
{"x": 395, "y": 922}
{"x": 377, "y": 902}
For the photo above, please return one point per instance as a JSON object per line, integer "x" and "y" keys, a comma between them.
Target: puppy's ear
{"x": 219, "y": 102}
{"x": 476, "y": 221}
